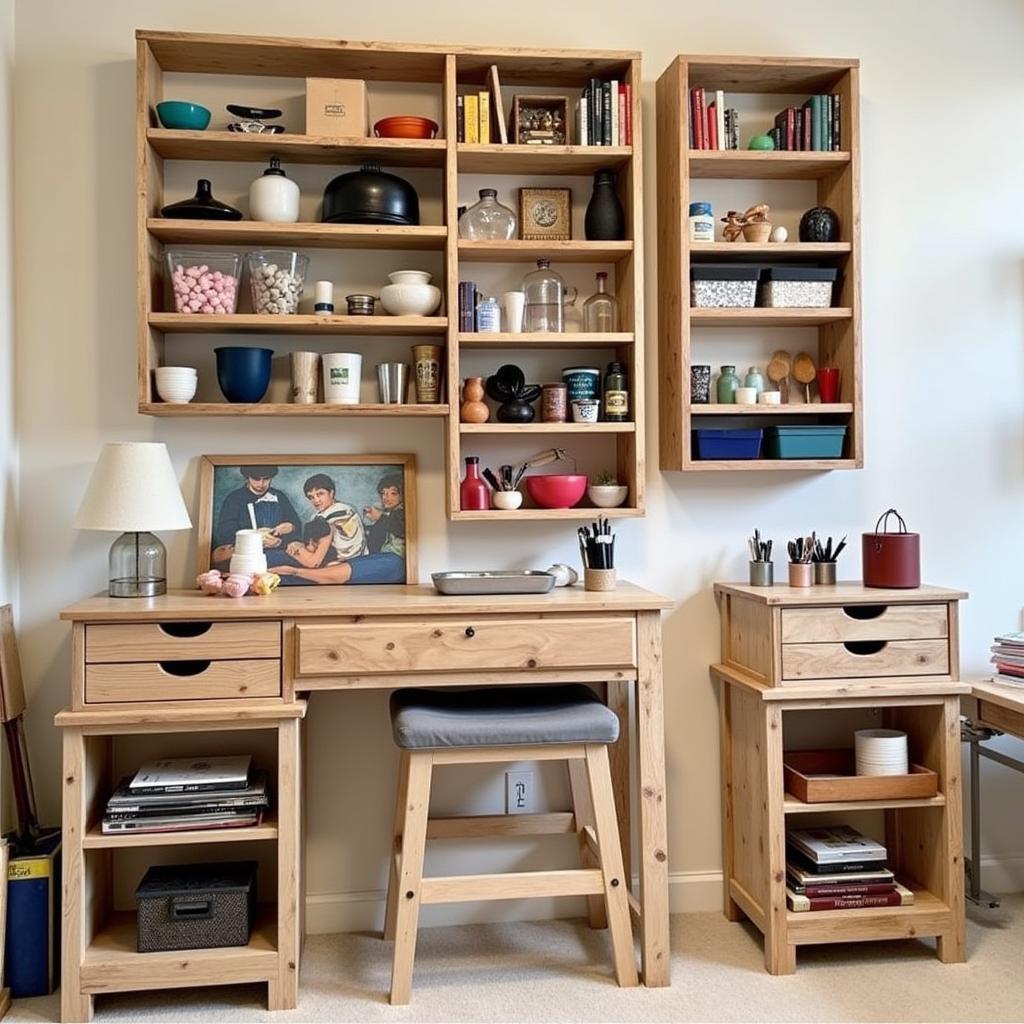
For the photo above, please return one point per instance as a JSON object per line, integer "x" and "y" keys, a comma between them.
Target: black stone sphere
{"x": 819, "y": 224}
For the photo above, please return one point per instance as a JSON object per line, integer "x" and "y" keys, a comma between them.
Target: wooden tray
{"x": 800, "y": 767}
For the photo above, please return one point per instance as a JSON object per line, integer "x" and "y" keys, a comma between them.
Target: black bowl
{"x": 370, "y": 196}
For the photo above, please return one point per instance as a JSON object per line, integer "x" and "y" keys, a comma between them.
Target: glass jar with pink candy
{"x": 203, "y": 282}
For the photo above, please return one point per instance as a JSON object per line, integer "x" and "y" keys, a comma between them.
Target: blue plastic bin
{"x": 811, "y": 441}
{"x": 728, "y": 444}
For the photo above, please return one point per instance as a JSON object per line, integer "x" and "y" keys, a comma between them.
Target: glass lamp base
{"x": 138, "y": 566}
{"x": 145, "y": 587}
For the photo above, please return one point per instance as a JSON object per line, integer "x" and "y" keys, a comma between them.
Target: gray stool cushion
{"x": 500, "y": 716}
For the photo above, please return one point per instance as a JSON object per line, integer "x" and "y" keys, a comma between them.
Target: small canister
{"x": 323, "y": 298}
{"x": 554, "y": 403}
{"x": 360, "y": 305}
{"x": 583, "y": 382}
{"x": 488, "y": 316}
{"x": 702, "y": 223}
{"x": 891, "y": 559}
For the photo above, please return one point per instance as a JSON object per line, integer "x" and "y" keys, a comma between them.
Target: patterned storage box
{"x": 713, "y": 286}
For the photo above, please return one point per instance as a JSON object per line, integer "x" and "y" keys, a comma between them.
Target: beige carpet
{"x": 558, "y": 971}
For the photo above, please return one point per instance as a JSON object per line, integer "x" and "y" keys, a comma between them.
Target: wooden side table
{"x": 787, "y": 651}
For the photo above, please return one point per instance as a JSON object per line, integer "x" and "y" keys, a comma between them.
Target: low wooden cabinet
{"x": 789, "y": 653}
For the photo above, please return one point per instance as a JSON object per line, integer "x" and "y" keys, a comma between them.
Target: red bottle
{"x": 474, "y": 493}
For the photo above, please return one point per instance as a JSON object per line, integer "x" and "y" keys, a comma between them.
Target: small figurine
{"x": 779, "y": 234}
{"x": 237, "y": 584}
{"x": 753, "y": 224}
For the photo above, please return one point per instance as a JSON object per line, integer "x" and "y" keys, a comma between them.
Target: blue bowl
{"x": 181, "y": 114}
{"x": 243, "y": 373}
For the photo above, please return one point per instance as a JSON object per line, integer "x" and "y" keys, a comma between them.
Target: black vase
{"x": 202, "y": 206}
{"x": 819, "y": 224}
{"x": 605, "y": 220}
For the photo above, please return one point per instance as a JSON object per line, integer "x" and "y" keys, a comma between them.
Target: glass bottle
{"x": 754, "y": 379}
{"x": 546, "y": 298}
{"x": 601, "y": 311}
{"x": 488, "y": 316}
{"x": 616, "y": 396}
{"x": 488, "y": 220}
{"x": 474, "y": 494}
{"x": 728, "y": 382}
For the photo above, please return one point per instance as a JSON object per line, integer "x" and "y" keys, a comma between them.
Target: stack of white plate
{"x": 248, "y": 556}
{"x": 881, "y": 752}
{"x": 176, "y": 384}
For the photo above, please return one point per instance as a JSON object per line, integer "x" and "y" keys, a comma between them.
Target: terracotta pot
{"x": 759, "y": 233}
{"x": 474, "y": 408}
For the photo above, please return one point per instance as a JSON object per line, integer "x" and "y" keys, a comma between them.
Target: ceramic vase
{"x": 474, "y": 408}
{"x": 605, "y": 220}
{"x": 305, "y": 375}
{"x": 410, "y": 294}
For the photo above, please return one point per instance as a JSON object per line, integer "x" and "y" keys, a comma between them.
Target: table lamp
{"x": 133, "y": 489}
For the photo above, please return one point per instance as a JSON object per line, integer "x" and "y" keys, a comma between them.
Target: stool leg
{"x": 584, "y": 814}
{"x": 615, "y": 888}
{"x": 410, "y": 874}
{"x": 396, "y": 847}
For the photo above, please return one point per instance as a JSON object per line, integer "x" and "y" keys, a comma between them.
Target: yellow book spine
{"x": 485, "y": 118}
{"x": 472, "y": 118}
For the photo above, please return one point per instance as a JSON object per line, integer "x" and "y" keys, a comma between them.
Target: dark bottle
{"x": 201, "y": 206}
{"x": 605, "y": 220}
{"x": 616, "y": 397}
{"x": 474, "y": 494}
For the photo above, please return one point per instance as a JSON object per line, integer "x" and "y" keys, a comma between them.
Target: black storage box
{"x": 196, "y": 906}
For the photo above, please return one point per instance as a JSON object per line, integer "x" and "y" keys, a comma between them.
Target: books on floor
{"x": 213, "y": 793}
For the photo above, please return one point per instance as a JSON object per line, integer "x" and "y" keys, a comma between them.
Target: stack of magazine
{"x": 1008, "y": 658}
{"x": 837, "y": 868}
{"x": 188, "y": 793}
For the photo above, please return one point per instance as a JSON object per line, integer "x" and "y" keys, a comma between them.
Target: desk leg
{"x": 75, "y": 1005}
{"x": 730, "y": 907}
{"x": 617, "y": 699}
{"x": 654, "y": 941}
{"x": 284, "y": 993}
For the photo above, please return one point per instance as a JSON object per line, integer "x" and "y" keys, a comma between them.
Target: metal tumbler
{"x": 762, "y": 574}
{"x": 392, "y": 382}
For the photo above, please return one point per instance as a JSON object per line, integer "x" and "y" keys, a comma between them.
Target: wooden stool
{"x": 508, "y": 723}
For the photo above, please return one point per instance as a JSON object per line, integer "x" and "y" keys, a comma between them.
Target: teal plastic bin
{"x": 805, "y": 442}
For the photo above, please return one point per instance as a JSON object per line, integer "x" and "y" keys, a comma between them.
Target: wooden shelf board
{"x": 927, "y": 912}
{"x": 324, "y": 236}
{"x": 288, "y": 409}
{"x": 568, "y": 339}
{"x": 517, "y": 250}
{"x": 745, "y": 163}
{"x": 763, "y": 316}
{"x": 792, "y": 409}
{"x": 767, "y": 74}
{"x": 533, "y": 514}
{"x": 302, "y": 323}
{"x": 515, "y": 159}
{"x": 776, "y": 250}
{"x": 768, "y": 465}
{"x": 94, "y": 839}
{"x": 793, "y": 805}
{"x": 547, "y": 428}
{"x": 173, "y": 144}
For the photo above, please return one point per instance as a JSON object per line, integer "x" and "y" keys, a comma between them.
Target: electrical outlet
{"x": 518, "y": 792}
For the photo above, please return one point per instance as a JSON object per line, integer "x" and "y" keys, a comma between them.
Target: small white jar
{"x": 273, "y": 197}
{"x": 702, "y": 223}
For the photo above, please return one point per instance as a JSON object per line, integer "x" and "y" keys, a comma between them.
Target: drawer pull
{"x": 865, "y": 611}
{"x": 866, "y": 647}
{"x": 184, "y": 668}
{"x": 183, "y": 909}
{"x": 470, "y": 632}
{"x": 185, "y": 630}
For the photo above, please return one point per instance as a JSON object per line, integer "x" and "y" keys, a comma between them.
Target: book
{"x": 837, "y": 136}
{"x": 840, "y": 888}
{"x": 613, "y": 113}
{"x": 1011, "y": 640}
{"x": 460, "y": 119}
{"x": 125, "y": 799}
{"x": 720, "y": 118}
{"x": 472, "y": 117}
{"x": 628, "y": 90}
{"x": 497, "y": 105}
{"x": 193, "y": 774}
{"x": 596, "y": 112}
{"x": 902, "y": 896}
{"x": 796, "y": 860}
{"x": 802, "y": 875}
{"x": 467, "y": 306}
{"x": 483, "y": 100}
{"x": 1000, "y": 677}
{"x": 622, "y": 115}
{"x": 798, "y": 128}
{"x": 606, "y": 113}
{"x": 712, "y": 127}
{"x": 180, "y": 823}
{"x": 583, "y": 121}
{"x": 697, "y": 117}
{"x": 835, "y": 843}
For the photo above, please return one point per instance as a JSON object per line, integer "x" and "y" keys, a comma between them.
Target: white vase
{"x": 507, "y": 500}
{"x": 607, "y": 495}
{"x": 410, "y": 294}
{"x": 342, "y": 375}
{"x": 274, "y": 197}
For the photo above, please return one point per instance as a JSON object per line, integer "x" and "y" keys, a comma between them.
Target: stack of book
{"x": 817, "y": 125}
{"x": 1008, "y": 658}
{"x": 604, "y": 114}
{"x": 837, "y": 868}
{"x": 712, "y": 124}
{"x": 184, "y": 794}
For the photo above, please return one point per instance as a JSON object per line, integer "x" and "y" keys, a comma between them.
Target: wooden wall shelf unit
{"x": 684, "y": 332}
{"x": 445, "y": 70}
{"x": 786, "y": 654}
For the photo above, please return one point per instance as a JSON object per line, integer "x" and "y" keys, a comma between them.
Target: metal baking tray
{"x": 505, "y": 581}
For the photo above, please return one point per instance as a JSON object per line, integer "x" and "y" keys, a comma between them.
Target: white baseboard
{"x": 329, "y": 912}
{"x": 1002, "y": 874}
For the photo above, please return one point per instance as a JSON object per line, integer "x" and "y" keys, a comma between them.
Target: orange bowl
{"x": 405, "y": 126}
{"x": 556, "y": 490}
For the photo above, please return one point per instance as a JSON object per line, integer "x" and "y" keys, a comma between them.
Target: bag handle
{"x": 883, "y": 522}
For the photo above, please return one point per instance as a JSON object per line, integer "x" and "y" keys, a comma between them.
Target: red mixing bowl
{"x": 405, "y": 127}
{"x": 557, "y": 490}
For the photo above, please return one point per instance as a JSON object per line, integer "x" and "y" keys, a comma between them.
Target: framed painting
{"x": 324, "y": 520}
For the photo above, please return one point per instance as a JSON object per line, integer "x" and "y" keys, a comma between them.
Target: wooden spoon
{"x": 805, "y": 371}
{"x": 778, "y": 372}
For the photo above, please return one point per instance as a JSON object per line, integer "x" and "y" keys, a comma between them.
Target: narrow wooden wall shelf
{"x": 547, "y": 428}
{"x": 568, "y": 339}
{"x": 576, "y": 251}
{"x": 512, "y": 159}
{"x": 326, "y": 236}
{"x": 288, "y": 409}
{"x": 269, "y": 323}
{"x": 740, "y": 163}
{"x": 759, "y": 316}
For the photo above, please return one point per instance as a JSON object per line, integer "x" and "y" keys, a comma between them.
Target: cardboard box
{"x": 336, "y": 107}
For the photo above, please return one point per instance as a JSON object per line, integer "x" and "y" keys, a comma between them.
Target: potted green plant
{"x": 605, "y": 491}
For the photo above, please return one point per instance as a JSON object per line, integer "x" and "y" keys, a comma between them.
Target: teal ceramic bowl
{"x": 181, "y": 114}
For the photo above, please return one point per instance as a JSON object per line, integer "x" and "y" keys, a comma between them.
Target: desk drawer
{"x": 181, "y": 641}
{"x": 865, "y": 622}
{"x": 181, "y": 680}
{"x": 465, "y": 645}
{"x": 865, "y": 658}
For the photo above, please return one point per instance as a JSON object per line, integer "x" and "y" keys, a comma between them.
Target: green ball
{"x": 761, "y": 142}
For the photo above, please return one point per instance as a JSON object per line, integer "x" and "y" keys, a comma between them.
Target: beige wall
{"x": 944, "y": 367}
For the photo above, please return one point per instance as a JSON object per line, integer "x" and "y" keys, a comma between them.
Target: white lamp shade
{"x": 133, "y": 489}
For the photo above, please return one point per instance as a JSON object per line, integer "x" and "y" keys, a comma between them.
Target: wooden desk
{"x": 183, "y": 661}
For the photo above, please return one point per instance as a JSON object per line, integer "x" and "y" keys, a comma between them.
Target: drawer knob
{"x": 865, "y": 611}
{"x": 185, "y": 630}
{"x": 470, "y": 632}
{"x": 865, "y": 647}
{"x": 184, "y": 668}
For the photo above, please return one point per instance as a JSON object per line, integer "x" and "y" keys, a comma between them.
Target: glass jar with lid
{"x": 488, "y": 220}
{"x": 546, "y": 299}
{"x": 600, "y": 311}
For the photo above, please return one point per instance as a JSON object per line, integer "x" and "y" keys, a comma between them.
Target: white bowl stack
{"x": 881, "y": 752}
{"x": 176, "y": 384}
{"x": 248, "y": 556}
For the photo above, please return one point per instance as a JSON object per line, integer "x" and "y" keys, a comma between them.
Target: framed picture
{"x": 545, "y": 214}
{"x": 540, "y": 120}
{"x": 326, "y": 520}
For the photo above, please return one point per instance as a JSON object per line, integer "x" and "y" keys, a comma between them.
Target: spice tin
{"x": 554, "y": 403}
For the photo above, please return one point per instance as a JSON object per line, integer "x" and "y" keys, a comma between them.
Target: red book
{"x": 628, "y": 89}
{"x": 712, "y": 127}
{"x": 800, "y": 903}
{"x": 849, "y": 889}
{"x": 790, "y": 128}
{"x": 699, "y": 120}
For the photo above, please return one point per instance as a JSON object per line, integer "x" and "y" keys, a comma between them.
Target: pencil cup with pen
{"x": 597, "y": 549}
{"x": 762, "y": 569}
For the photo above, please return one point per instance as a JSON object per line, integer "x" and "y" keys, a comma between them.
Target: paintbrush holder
{"x": 599, "y": 580}
{"x": 825, "y": 573}
{"x": 801, "y": 574}
{"x": 762, "y": 574}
